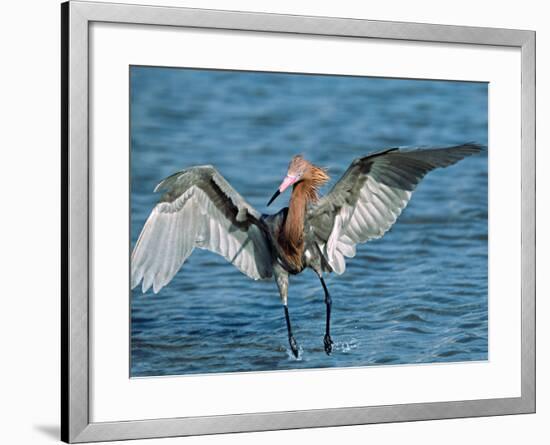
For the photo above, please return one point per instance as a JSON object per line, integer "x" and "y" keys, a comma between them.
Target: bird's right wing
{"x": 371, "y": 194}
{"x": 199, "y": 209}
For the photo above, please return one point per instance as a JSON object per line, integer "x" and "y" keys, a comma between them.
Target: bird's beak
{"x": 287, "y": 182}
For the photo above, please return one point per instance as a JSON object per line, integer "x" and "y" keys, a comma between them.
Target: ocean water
{"x": 417, "y": 295}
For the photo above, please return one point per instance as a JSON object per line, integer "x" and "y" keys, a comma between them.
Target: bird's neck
{"x": 292, "y": 238}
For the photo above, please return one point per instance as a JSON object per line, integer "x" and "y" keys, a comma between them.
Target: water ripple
{"x": 417, "y": 295}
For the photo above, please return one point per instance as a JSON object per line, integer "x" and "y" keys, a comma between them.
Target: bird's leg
{"x": 281, "y": 277}
{"x": 291, "y": 339}
{"x": 328, "y": 302}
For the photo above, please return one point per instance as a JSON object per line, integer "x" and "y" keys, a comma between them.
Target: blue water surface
{"x": 417, "y": 295}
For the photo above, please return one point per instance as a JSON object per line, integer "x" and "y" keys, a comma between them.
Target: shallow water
{"x": 418, "y": 295}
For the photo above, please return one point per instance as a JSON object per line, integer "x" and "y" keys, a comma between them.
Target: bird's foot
{"x": 328, "y": 344}
{"x": 293, "y": 345}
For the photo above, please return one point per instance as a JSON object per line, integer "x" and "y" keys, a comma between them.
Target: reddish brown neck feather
{"x": 303, "y": 193}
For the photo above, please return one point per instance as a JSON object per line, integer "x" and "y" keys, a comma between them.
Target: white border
{"x": 113, "y": 47}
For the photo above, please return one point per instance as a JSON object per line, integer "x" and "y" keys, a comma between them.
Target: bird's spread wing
{"x": 371, "y": 194}
{"x": 198, "y": 209}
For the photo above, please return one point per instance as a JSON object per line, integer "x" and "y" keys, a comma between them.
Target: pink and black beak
{"x": 287, "y": 182}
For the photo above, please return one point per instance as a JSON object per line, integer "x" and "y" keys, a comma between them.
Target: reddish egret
{"x": 200, "y": 209}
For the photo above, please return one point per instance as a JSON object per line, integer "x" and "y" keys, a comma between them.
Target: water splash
{"x": 291, "y": 357}
{"x": 346, "y": 346}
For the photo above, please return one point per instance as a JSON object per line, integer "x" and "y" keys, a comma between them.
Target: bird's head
{"x": 299, "y": 169}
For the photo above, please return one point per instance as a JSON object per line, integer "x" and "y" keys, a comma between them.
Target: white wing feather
{"x": 371, "y": 195}
{"x": 198, "y": 217}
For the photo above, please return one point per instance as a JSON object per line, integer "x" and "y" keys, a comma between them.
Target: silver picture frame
{"x": 76, "y": 18}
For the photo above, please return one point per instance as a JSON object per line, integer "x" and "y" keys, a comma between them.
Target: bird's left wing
{"x": 369, "y": 197}
{"x": 199, "y": 209}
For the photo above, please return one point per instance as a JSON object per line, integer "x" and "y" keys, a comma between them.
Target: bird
{"x": 199, "y": 208}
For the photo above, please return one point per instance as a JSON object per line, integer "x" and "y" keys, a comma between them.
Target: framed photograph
{"x": 276, "y": 222}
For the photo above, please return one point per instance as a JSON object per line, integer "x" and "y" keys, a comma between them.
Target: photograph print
{"x": 285, "y": 221}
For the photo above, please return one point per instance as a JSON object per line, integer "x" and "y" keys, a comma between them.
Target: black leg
{"x": 291, "y": 339}
{"x": 328, "y": 302}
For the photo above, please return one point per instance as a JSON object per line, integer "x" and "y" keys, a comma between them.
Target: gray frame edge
{"x": 528, "y": 223}
{"x": 74, "y": 301}
{"x": 75, "y": 424}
